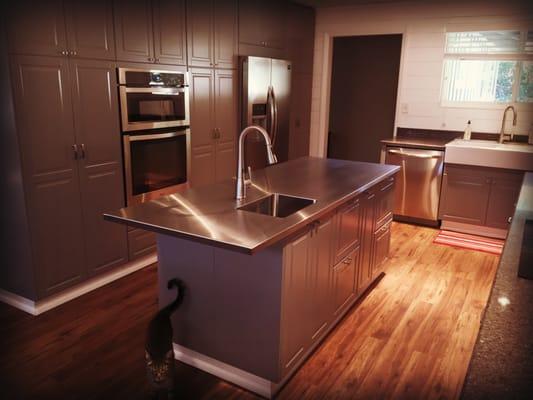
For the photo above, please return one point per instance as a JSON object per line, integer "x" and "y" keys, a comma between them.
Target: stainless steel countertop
{"x": 208, "y": 214}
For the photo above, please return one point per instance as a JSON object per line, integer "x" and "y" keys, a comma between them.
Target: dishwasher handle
{"x": 413, "y": 155}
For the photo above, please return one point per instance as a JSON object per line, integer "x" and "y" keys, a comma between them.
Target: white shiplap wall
{"x": 423, "y": 25}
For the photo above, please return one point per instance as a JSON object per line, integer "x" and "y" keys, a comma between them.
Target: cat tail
{"x": 180, "y": 286}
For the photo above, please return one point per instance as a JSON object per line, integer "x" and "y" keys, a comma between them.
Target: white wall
{"x": 423, "y": 25}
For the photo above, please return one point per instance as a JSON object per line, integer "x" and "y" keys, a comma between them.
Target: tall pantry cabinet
{"x": 212, "y": 48}
{"x": 66, "y": 118}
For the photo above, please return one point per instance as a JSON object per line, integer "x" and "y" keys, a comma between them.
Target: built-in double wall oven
{"x": 154, "y": 107}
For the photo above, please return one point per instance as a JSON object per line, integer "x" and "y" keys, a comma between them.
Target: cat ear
{"x": 169, "y": 355}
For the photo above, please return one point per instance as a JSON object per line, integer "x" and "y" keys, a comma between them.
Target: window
{"x": 488, "y": 67}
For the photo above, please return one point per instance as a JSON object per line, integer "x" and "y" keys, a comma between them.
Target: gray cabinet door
{"x": 200, "y": 33}
{"x": 345, "y": 281}
{"x": 348, "y": 228}
{"x": 36, "y": 27}
{"x": 262, "y": 23}
{"x": 134, "y": 30}
{"x": 226, "y": 123}
{"x": 319, "y": 279}
{"x": 384, "y": 201}
{"x": 46, "y": 133}
{"x": 170, "y": 31}
{"x": 90, "y": 29}
{"x": 225, "y": 39}
{"x": 295, "y": 301}
{"x": 202, "y": 127}
{"x": 98, "y": 137}
{"x": 381, "y": 248}
{"x": 465, "y": 195}
{"x": 504, "y": 190}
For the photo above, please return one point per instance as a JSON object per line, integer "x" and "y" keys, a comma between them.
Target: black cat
{"x": 158, "y": 349}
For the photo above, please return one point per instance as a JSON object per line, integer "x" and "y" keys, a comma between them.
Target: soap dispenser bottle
{"x": 468, "y": 131}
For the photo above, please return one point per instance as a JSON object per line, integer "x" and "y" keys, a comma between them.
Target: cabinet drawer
{"x": 348, "y": 232}
{"x": 140, "y": 243}
{"x": 344, "y": 281}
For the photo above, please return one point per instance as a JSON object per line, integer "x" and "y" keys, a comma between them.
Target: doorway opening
{"x": 364, "y": 86}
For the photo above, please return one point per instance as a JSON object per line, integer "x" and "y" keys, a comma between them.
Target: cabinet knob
{"x": 157, "y": 60}
{"x": 75, "y": 151}
{"x": 509, "y": 220}
{"x": 82, "y": 147}
{"x": 150, "y": 59}
{"x": 74, "y": 53}
{"x": 64, "y": 52}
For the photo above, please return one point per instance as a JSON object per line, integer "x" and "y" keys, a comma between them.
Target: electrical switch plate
{"x": 404, "y": 108}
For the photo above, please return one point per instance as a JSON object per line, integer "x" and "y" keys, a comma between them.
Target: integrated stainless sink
{"x": 277, "y": 205}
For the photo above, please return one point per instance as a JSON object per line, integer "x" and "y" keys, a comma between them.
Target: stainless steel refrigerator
{"x": 265, "y": 95}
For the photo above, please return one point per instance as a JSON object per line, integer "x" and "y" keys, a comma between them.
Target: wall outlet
{"x": 404, "y": 108}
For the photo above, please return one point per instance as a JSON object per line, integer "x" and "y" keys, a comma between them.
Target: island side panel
{"x": 231, "y": 310}
{"x": 248, "y": 297}
{"x": 192, "y": 263}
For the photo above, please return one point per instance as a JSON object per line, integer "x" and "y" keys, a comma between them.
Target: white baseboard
{"x": 246, "y": 380}
{"x": 41, "y": 306}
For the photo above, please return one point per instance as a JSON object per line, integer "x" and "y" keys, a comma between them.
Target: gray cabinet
{"x": 67, "y": 124}
{"x": 465, "y": 194}
{"x": 348, "y": 228}
{"x": 344, "y": 280}
{"x": 151, "y": 31}
{"x": 262, "y": 28}
{"x": 213, "y": 125}
{"x": 368, "y": 222}
{"x": 306, "y": 292}
{"x": 479, "y": 196}
{"x": 82, "y": 29}
{"x": 100, "y": 162}
{"x": 169, "y": 32}
{"x": 134, "y": 30}
{"x": 45, "y": 125}
{"x": 212, "y": 33}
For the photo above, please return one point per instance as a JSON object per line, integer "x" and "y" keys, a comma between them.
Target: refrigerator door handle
{"x": 270, "y": 113}
{"x": 274, "y": 116}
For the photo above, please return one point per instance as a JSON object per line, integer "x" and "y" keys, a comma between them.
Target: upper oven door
{"x": 152, "y": 108}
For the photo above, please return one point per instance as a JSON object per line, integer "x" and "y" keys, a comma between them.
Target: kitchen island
{"x": 264, "y": 290}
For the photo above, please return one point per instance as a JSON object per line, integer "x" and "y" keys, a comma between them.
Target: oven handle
{"x": 138, "y": 138}
{"x": 405, "y": 154}
{"x": 158, "y": 91}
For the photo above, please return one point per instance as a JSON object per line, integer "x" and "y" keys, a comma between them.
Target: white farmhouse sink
{"x": 488, "y": 153}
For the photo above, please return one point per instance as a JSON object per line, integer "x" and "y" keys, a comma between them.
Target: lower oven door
{"x": 156, "y": 164}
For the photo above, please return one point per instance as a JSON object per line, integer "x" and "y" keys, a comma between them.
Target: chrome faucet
{"x": 240, "y": 192}
{"x": 502, "y": 130}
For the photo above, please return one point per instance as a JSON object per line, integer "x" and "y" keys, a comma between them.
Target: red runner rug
{"x": 471, "y": 242}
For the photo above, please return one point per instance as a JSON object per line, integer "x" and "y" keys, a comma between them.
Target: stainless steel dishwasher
{"x": 418, "y": 183}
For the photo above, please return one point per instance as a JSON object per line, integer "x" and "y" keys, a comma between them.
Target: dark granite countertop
{"x": 502, "y": 362}
{"x": 209, "y": 214}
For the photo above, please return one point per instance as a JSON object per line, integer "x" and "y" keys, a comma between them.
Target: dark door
{"x": 98, "y": 136}
{"x": 36, "y": 27}
{"x": 200, "y": 32}
{"x": 90, "y": 29}
{"x": 169, "y": 31}
{"x": 364, "y": 85}
{"x": 46, "y": 133}
{"x": 133, "y": 27}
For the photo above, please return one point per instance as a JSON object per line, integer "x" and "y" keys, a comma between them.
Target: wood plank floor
{"x": 411, "y": 337}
